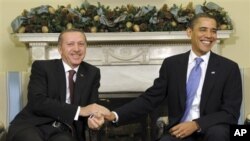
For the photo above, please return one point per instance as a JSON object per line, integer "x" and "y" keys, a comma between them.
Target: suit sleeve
{"x": 41, "y": 103}
{"x": 147, "y": 101}
{"x": 94, "y": 92}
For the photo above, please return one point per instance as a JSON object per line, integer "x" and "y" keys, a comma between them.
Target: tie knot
{"x": 71, "y": 73}
{"x": 198, "y": 60}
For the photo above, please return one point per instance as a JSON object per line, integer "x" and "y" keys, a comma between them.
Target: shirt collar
{"x": 205, "y": 57}
{"x": 67, "y": 67}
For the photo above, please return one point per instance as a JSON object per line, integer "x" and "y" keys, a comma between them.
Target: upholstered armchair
{"x": 161, "y": 123}
{"x": 247, "y": 121}
{"x": 2, "y": 132}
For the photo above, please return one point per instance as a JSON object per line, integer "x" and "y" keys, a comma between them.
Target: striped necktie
{"x": 71, "y": 85}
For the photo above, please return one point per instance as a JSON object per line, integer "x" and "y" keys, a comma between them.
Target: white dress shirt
{"x": 67, "y": 68}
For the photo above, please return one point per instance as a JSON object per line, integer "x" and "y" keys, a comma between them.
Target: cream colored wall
{"x": 3, "y": 106}
{"x": 14, "y": 56}
{"x": 247, "y": 90}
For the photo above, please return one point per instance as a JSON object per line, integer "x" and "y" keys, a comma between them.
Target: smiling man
{"x": 203, "y": 90}
{"x": 61, "y": 96}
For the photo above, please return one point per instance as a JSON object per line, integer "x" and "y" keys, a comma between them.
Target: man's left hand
{"x": 96, "y": 121}
{"x": 183, "y": 129}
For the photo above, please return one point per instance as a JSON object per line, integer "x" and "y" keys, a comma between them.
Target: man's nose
{"x": 76, "y": 47}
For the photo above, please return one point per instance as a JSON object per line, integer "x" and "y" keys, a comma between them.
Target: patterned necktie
{"x": 192, "y": 86}
{"x": 71, "y": 85}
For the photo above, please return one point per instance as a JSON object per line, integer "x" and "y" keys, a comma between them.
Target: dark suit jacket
{"x": 220, "y": 99}
{"x": 47, "y": 94}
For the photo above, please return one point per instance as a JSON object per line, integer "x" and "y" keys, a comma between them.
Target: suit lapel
{"x": 61, "y": 80}
{"x": 182, "y": 72}
{"x": 211, "y": 74}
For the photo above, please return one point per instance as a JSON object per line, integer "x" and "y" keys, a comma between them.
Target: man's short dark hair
{"x": 196, "y": 17}
{"x": 69, "y": 30}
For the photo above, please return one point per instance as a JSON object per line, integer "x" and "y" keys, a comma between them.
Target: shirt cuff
{"x": 198, "y": 126}
{"x": 116, "y": 117}
{"x": 77, "y": 113}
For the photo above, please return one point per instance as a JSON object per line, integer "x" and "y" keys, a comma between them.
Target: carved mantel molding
{"x": 117, "y": 36}
{"x": 132, "y": 59}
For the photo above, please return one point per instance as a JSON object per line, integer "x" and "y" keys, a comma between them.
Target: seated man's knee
{"x": 217, "y": 132}
{"x": 62, "y": 137}
{"x": 168, "y": 137}
{"x": 29, "y": 134}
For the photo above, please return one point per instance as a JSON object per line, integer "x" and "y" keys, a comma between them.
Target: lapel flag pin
{"x": 81, "y": 75}
{"x": 213, "y": 72}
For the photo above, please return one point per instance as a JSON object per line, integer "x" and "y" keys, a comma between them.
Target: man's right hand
{"x": 110, "y": 117}
{"x": 93, "y": 109}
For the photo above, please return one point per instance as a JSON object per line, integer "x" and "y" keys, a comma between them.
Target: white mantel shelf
{"x": 116, "y": 36}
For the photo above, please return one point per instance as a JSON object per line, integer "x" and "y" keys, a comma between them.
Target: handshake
{"x": 97, "y": 115}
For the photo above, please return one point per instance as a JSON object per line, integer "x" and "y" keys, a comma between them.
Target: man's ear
{"x": 59, "y": 49}
{"x": 189, "y": 31}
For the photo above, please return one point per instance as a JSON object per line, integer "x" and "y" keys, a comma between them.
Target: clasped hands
{"x": 97, "y": 115}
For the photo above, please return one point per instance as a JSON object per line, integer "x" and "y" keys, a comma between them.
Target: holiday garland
{"x": 129, "y": 18}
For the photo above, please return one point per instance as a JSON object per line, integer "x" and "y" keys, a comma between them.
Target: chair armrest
{"x": 1, "y": 127}
{"x": 2, "y": 132}
{"x": 161, "y": 123}
{"x": 247, "y": 121}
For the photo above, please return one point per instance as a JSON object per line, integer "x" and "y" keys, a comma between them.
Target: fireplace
{"x": 135, "y": 130}
{"x": 141, "y": 129}
{"x": 129, "y": 62}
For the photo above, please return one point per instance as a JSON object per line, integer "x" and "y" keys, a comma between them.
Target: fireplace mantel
{"x": 129, "y": 61}
{"x": 117, "y": 36}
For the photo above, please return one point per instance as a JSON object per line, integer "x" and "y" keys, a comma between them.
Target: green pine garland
{"x": 101, "y": 18}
